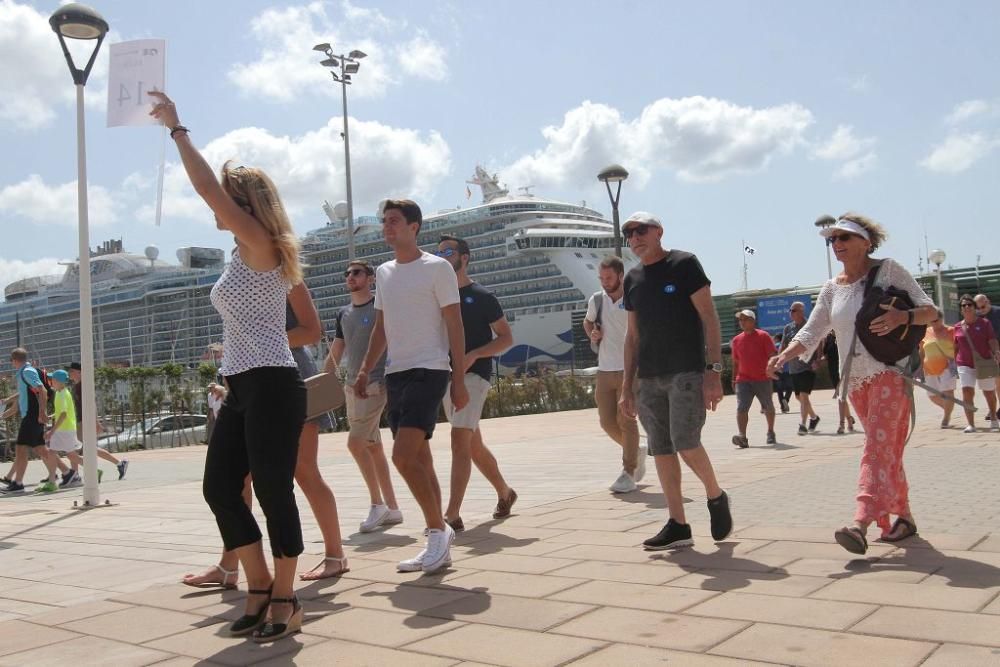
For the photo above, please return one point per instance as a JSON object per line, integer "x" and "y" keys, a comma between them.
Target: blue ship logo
{"x": 669, "y": 288}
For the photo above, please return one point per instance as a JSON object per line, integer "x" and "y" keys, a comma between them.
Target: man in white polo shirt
{"x": 606, "y": 323}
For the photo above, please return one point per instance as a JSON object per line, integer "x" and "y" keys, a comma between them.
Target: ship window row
{"x": 564, "y": 242}
{"x": 531, "y": 286}
{"x": 544, "y": 298}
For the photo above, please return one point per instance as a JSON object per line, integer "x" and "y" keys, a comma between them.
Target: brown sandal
{"x": 910, "y": 529}
{"x": 852, "y": 539}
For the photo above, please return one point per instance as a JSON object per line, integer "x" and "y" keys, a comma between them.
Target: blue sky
{"x": 738, "y": 120}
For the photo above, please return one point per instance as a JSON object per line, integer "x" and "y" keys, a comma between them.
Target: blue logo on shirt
{"x": 669, "y": 289}
{"x": 621, "y": 306}
{"x": 469, "y": 299}
{"x": 365, "y": 320}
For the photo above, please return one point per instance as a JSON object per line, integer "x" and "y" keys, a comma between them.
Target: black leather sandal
{"x": 852, "y": 539}
{"x": 247, "y": 623}
{"x": 270, "y": 631}
{"x": 909, "y": 530}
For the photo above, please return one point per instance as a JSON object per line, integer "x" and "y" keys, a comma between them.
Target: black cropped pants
{"x": 257, "y": 432}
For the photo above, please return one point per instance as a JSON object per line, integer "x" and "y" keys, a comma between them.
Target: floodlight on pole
{"x": 76, "y": 21}
{"x": 823, "y": 222}
{"x": 614, "y": 173}
{"x": 938, "y": 257}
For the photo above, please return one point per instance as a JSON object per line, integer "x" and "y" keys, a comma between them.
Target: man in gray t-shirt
{"x": 803, "y": 373}
{"x": 350, "y": 343}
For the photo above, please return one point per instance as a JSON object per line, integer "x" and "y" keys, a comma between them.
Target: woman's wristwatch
{"x": 716, "y": 367}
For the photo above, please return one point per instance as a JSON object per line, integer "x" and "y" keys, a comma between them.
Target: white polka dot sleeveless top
{"x": 252, "y": 305}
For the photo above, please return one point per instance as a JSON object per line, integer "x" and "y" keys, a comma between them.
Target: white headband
{"x": 844, "y": 225}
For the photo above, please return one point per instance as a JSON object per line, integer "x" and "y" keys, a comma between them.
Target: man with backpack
{"x": 605, "y": 324}
{"x": 32, "y": 399}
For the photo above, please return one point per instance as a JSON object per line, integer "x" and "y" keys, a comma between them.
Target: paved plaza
{"x": 563, "y": 581}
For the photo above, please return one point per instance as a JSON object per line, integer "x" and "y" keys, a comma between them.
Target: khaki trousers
{"x": 621, "y": 429}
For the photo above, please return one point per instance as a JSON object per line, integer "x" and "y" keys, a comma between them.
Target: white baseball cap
{"x": 747, "y": 313}
{"x": 642, "y": 218}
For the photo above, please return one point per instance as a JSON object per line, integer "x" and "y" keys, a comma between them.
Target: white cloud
{"x": 959, "y": 151}
{"x": 16, "y": 269}
{"x": 966, "y": 110}
{"x": 860, "y": 84}
{"x": 39, "y": 202}
{"x": 36, "y": 82}
{"x": 286, "y": 67}
{"x": 701, "y": 139}
{"x": 855, "y": 153}
{"x": 309, "y": 168}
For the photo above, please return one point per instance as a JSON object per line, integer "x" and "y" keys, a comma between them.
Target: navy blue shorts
{"x": 414, "y": 399}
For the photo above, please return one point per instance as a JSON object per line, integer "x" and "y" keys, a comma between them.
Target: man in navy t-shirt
{"x": 673, "y": 371}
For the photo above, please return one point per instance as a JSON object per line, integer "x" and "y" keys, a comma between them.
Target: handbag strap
{"x": 845, "y": 374}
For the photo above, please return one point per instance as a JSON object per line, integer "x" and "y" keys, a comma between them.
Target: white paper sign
{"x": 136, "y": 67}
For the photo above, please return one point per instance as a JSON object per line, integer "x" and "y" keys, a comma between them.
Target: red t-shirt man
{"x": 751, "y": 350}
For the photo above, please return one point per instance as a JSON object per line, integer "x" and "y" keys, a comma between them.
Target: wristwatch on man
{"x": 717, "y": 367}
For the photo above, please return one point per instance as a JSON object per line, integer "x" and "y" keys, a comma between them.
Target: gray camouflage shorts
{"x": 672, "y": 411}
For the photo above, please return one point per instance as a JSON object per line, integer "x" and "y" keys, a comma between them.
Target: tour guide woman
{"x": 258, "y": 428}
{"x": 877, "y": 391}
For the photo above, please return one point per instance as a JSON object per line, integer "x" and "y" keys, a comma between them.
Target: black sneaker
{"x": 771, "y": 438}
{"x": 68, "y": 478}
{"x": 122, "y": 468}
{"x": 741, "y": 441}
{"x": 722, "y": 518}
{"x": 14, "y": 487}
{"x": 672, "y": 536}
{"x": 802, "y": 429}
{"x": 813, "y": 423}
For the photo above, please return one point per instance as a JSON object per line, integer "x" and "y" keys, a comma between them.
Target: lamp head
{"x": 351, "y": 68}
{"x": 330, "y": 62}
{"x": 324, "y": 47}
{"x": 613, "y": 174}
{"x": 825, "y": 221}
{"x": 76, "y": 21}
{"x": 938, "y": 257}
{"x": 357, "y": 55}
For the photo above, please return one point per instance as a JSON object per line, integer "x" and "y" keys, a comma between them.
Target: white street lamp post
{"x": 938, "y": 257}
{"x": 75, "y": 21}
{"x": 823, "y": 222}
{"x": 349, "y": 66}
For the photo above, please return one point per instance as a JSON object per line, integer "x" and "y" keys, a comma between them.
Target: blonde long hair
{"x": 251, "y": 188}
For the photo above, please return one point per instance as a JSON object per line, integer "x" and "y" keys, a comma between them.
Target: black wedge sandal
{"x": 247, "y": 623}
{"x": 270, "y": 631}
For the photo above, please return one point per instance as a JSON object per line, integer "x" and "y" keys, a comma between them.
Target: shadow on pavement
{"x": 722, "y": 570}
{"x": 427, "y": 614}
{"x": 497, "y": 542}
{"x": 654, "y": 500}
{"x": 918, "y": 555}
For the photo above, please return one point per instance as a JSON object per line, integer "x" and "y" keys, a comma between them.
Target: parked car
{"x": 156, "y": 432}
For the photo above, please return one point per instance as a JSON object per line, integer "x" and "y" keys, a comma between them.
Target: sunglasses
{"x": 354, "y": 272}
{"x": 447, "y": 252}
{"x": 843, "y": 238}
{"x": 638, "y": 230}
{"x": 967, "y": 305}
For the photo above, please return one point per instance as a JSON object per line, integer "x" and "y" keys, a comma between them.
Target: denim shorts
{"x": 414, "y": 398}
{"x": 672, "y": 411}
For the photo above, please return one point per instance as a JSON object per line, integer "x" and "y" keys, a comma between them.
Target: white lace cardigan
{"x": 836, "y": 309}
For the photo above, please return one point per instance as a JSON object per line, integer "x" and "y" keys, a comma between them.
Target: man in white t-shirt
{"x": 606, "y": 323}
{"x": 418, "y": 321}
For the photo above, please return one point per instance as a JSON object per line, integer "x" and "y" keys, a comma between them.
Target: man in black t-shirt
{"x": 673, "y": 371}
{"x": 487, "y": 334}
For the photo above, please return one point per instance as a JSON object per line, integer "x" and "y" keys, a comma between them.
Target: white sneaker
{"x": 438, "y": 552}
{"x": 995, "y": 426}
{"x": 640, "y": 469}
{"x": 376, "y": 517}
{"x": 624, "y": 483}
{"x": 969, "y": 429}
{"x": 392, "y": 518}
{"x": 412, "y": 564}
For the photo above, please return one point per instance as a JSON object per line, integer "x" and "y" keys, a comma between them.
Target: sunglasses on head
{"x": 637, "y": 230}
{"x": 447, "y": 252}
{"x": 354, "y": 272}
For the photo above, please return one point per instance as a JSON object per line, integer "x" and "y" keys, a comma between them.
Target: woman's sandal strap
{"x": 259, "y": 591}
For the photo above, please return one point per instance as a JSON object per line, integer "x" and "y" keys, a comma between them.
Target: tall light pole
{"x": 75, "y": 21}
{"x": 823, "y": 222}
{"x": 349, "y": 66}
{"x": 938, "y": 257}
{"x": 614, "y": 173}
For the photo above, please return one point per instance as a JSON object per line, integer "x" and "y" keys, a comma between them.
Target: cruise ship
{"x": 539, "y": 257}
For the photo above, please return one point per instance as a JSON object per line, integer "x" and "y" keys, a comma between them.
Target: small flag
{"x": 468, "y": 192}
{"x": 748, "y": 250}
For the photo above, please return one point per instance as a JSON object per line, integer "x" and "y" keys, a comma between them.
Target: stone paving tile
{"x": 993, "y": 607}
{"x": 509, "y": 611}
{"x": 950, "y": 655}
{"x": 635, "y": 596}
{"x": 60, "y": 615}
{"x": 513, "y": 563}
{"x": 650, "y": 628}
{"x": 19, "y": 636}
{"x": 384, "y": 628}
{"x": 906, "y": 595}
{"x": 411, "y": 599}
{"x": 507, "y": 647}
{"x": 598, "y": 537}
{"x": 207, "y": 643}
{"x": 933, "y": 625}
{"x": 869, "y": 569}
{"x": 830, "y": 551}
{"x": 512, "y": 583}
{"x": 991, "y": 543}
{"x": 91, "y": 650}
{"x": 500, "y": 544}
{"x": 652, "y": 573}
{"x": 820, "y": 648}
{"x": 335, "y": 652}
{"x": 137, "y": 624}
{"x": 763, "y": 583}
{"x": 809, "y": 613}
{"x": 642, "y": 656}
{"x": 57, "y": 594}
{"x": 179, "y": 597}
{"x": 613, "y": 525}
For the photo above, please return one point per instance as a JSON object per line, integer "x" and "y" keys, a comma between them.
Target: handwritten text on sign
{"x": 136, "y": 67}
